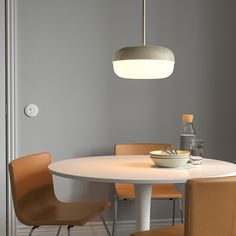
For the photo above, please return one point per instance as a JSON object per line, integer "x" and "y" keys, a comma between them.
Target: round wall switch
{"x": 31, "y": 110}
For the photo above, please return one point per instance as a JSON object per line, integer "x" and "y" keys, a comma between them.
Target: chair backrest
{"x": 134, "y": 149}
{"x": 138, "y": 148}
{"x": 210, "y": 207}
{"x": 31, "y": 184}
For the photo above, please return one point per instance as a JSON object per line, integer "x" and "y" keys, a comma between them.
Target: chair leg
{"x": 181, "y": 210}
{"x": 173, "y": 214}
{"x": 33, "y": 228}
{"x": 59, "y": 230}
{"x": 68, "y": 229}
{"x": 105, "y": 225}
{"x": 114, "y": 227}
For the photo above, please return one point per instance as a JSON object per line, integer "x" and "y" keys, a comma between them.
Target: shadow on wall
{"x": 92, "y": 191}
{"x": 74, "y": 191}
{"x": 221, "y": 50}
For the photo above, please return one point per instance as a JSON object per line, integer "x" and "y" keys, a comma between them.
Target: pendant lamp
{"x": 143, "y": 62}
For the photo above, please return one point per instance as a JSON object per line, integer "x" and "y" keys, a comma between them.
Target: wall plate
{"x": 31, "y": 110}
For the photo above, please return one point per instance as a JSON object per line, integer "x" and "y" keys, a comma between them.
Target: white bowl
{"x": 160, "y": 153}
{"x": 171, "y": 161}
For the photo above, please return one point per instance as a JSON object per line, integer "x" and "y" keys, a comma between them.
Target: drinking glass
{"x": 196, "y": 147}
{"x": 196, "y": 151}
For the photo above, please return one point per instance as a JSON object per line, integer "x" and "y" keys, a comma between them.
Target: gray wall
{"x": 2, "y": 124}
{"x": 64, "y": 64}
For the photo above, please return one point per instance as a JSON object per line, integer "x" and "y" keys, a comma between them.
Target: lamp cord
{"x": 143, "y": 22}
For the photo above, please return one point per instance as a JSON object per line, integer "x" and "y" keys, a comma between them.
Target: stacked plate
{"x": 171, "y": 160}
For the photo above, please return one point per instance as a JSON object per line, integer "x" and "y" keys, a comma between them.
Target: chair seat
{"x": 159, "y": 191}
{"x": 60, "y": 213}
{"x": 175, "y": 230}
{"x": 48, "y": 210}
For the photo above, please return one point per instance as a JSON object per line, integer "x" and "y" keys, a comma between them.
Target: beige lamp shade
{"x": 144, "y": 62}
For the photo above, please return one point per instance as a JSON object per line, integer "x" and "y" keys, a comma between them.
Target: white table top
{"x": 137, "y": 170}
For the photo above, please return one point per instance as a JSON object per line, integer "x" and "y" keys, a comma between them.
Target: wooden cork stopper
{"x": 186, "y": 118}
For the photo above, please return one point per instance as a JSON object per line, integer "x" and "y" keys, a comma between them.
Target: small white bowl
{"x": 171, "y": 161}
{"x": 160, "y": 153}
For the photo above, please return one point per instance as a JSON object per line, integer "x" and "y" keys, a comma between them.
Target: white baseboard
{"x": 91, "y": 229}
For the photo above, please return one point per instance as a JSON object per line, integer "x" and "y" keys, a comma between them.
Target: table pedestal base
{"x": 143, "y": 194}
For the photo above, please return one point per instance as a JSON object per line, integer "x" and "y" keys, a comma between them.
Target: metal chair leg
{"x": 59, "y": 230}
{"x": 33, "y": 228}
{"x": 173, "y": 216}
{"x": 181, "y": 210}
{"x": 105, "y": 225}
{"x": 68, "y": 229}
{"x": 115, "y": 205}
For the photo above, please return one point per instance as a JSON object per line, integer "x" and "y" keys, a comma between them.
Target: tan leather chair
{"x": 159, "y": 191}
{"x": 210, "y": 206}
{"x": 35, "y": 202}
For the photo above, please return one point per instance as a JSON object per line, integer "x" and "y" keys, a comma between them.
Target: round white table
{"x": 140, "y": 171}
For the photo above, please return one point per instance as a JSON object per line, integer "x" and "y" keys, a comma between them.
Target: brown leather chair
{"x": 35, "y": 202}
{"x": 210, "y": 206}
{"x": 159, "y": 191}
